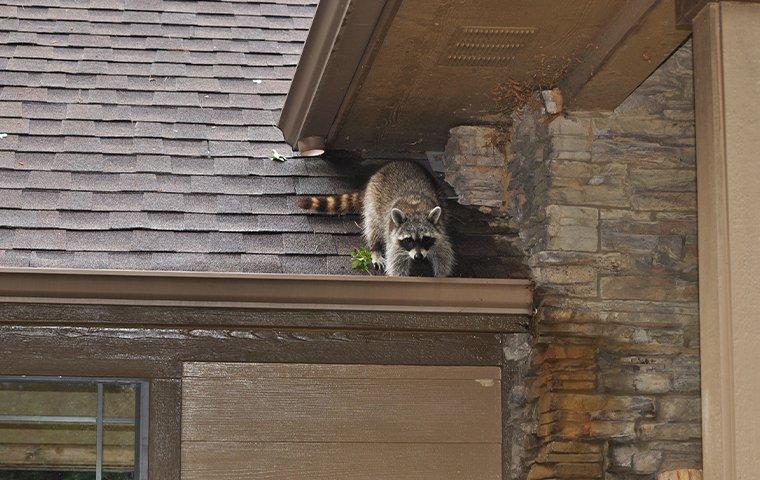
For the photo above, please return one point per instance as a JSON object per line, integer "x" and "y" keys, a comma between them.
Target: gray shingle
{"x": 8, "y": 160}
{"x": 322, "y": 185}
{"x": 44, "y": 110}
{"x": 342, "y": 225}
{"x": 78, "y": 201}
{"x": 346, "y": 244}
{"x": 283, "y": 223}
{"x": 295, "y": 264}
{"x": 139, "y": 135}
{"x": 109, "y": 201}
{"x": 44, "y": 127}
{"x": 263, "y": 243}
{"x": 10, "y": 109}
{"x": 309, "y": 244}
{"x": 48, "y": 180}
{"x": 29, "y": 143}
{"x": 14, "y": 125}
{"x": 36, "y": 239}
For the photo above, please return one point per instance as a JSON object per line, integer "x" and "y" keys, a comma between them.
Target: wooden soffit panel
{"x": 429, "y": 65}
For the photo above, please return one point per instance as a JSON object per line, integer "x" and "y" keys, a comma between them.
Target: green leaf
{"x": 275, "y": 156}
{"x": 361, "y": 259}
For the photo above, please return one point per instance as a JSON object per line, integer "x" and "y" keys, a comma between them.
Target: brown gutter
{"x": 265, "y": 291}
{"x": 342, "y": 37}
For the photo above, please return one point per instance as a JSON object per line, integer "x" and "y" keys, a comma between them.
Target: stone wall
{"x": 606, "y": 208}
{"x": 474, "y": 168}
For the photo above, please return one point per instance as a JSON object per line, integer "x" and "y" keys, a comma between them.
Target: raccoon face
{"x": 416, "y": 233}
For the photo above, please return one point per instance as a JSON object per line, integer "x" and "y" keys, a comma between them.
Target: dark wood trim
{"x": 188, "y": 317}
{"x": 266, "y": 292}
{"x": 509, "y": 377}
{"x": 608, "y": 40}
{"x": 159, "y": 352}
{"x": 625, "y": 53}
{"x": 165, "y": 444}
{"x": 687, "y": 10}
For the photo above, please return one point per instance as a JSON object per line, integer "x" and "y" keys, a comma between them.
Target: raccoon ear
{"x": 434, "y": 215}
{"x": 397, "y": 216}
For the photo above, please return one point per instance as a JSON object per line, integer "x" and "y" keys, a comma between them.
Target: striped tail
{"x": 340, "y": 204}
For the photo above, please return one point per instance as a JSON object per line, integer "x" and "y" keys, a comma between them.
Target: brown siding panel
{"x": 340, "y": 421}
{"x": 337, "y": 461}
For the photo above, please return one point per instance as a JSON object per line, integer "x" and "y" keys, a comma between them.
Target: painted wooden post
{"x": 727, "y": 87}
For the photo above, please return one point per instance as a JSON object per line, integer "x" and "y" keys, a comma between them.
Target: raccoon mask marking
{"x": 417, "y": 245}
{"x": 416, "y": 236}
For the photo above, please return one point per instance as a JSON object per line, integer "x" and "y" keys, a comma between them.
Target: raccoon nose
{"x": 418, "y": 256}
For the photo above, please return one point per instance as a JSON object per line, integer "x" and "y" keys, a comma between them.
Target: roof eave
{"x": 337, "y": 53}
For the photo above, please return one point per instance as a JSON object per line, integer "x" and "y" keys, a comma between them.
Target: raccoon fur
{"x": 404, "y": 224}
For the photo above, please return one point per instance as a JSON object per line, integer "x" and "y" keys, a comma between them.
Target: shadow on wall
{"x": 485, "y": 243}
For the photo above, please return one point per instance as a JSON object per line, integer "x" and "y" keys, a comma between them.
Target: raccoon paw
{"x": 378, "y": 261}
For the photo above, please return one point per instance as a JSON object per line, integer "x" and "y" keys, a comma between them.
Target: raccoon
{"x": 404, "y": 224}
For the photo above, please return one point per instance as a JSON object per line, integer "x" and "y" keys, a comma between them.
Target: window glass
{"x": 119, "y": 429}
{"x": 61, "y": 429}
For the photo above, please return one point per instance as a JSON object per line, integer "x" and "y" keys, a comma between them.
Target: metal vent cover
{"x": 485, "y": 46}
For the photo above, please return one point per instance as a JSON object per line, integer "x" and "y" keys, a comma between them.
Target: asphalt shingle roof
{"x": 136, "y": 134}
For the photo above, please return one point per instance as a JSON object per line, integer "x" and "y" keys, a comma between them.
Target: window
{"x": 58, "y": 428}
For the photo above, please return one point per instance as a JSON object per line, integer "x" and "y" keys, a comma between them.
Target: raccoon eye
{"x": 427, "y": 242}
{"x": 406, "y": 243}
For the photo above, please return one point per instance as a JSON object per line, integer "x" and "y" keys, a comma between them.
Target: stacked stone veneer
{"x": 474, "y": 167}
{"x": 606, "y": 209}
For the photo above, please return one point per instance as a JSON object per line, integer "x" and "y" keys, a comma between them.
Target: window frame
{"x": 142, "y": 409}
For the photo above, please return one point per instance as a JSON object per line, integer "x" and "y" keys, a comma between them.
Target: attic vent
{"x": 485, "y": 46}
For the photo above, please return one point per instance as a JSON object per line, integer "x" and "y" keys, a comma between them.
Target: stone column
{"x": 727, "y": 87}
{"x": 606, "y": 209}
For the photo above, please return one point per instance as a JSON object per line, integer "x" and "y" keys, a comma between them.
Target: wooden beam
{"x": 136, "y": 316}
{"x": 159, "y": 352}
{"x": 727, "y": 86}
{"x": 624, "y": 54}
{"x": 686, "y": 10}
